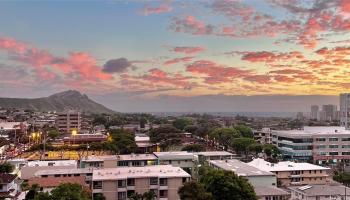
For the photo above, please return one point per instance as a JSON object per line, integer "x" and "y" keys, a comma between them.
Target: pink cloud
{"x": 345, "y": 5}
{"x": 189, "y": 24}
{"x": 178, "y": 60}
{"x": 78, "y": 65}
{"x": 267, "y": 56}
{"x": 188, "y": 50}
{"x": 262, "y": 79}
{"x": 216, "y": 73}
{"x": 157, "y": 76}
{"x": 162, "y": 8}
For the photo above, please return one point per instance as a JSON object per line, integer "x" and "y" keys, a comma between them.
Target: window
{"x": 57, "y": 175}
{"x": 333, "y": 153}
{"x": 320, "y": 139}
{"x": 320, "y": 146}
{"x": 136, "y": 163}
{"x": 44, "y": 176}
{"x": 97, "y": 185}
{"x": 163, "y": 181}
{"x": 153, "y": 181}
{"x": 345, "y": 139}
{"x": 123, "y": 163}
{"x": 345, "y": 146}
{"x": 184, "y": 180}
{"x": 121, "y": 195}
{"x": 163, "y": 193}
{"x": 333, "y": 146}
{"x": 76, "y": 174}
{"x": 345, "y": 153}
{"x": 121, "y": 183}
{"x": 131, "y": 182}
{"x": 333, "y": 139}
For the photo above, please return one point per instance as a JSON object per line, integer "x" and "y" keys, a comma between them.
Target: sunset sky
{"x": 174, "y": 49}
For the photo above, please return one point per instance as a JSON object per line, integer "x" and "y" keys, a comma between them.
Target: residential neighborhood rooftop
{"x": 321, "y": 190}
{"x": 174, "y": 155}
{"x": 63, "y": 171}
{"x": 283, "y": 166}
{"x": 214, "y": 153}
{"x": 239, "y": 168}
{"x": 162, "y": 171}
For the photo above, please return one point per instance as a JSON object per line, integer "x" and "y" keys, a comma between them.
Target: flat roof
{"x": 214, "y": 153}
{"x": 283, "y": 166}
{"x": 174, "y": 155}
{"x": 63, "y": 171}
{"x": 161, "y": 171}
{"x": 321, "y": 190}
{"x": 309, "y": 131}
{"x": 40, "y": 163}
{"x": 270, "y": 191}
{"x": 239, "y": 168}
{"x": 121, "y": 157}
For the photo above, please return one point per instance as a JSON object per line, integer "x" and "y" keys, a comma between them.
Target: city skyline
{"x": 155, "y": 52}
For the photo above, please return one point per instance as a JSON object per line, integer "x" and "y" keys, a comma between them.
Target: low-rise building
{"x": 254, "y": 175}
{"x": 320, "y": 192}
{"x": 74, "y": 172}
{"x": 213, "y": 155}
{"x": 30, "y": 168}
{"x": 291, "y": 173}
{"x": 186, "y": 160}
{"x": 264, "y": 182}
{"x": 119, "y": 183}
{"x": 8, "y": 186}
{"x": 110, "y": 161}
{"x": 84, "y": 138}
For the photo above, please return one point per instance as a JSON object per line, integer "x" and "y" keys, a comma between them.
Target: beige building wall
{"x": 306, "y": 177}
{"x": 109, "y": 190}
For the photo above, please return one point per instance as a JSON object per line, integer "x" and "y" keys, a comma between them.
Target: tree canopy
{"x": 193, "y": 148}
{"x": 181, "y": 123}
{"x": 225, "y": 185}
{"x": 245, "y": 131}
{"x": 241, "y": 145}
{"x": 166, "y": 136}
{"x": 224, "y": 136}
{"x": 65, "y": 191}
{"x": 6, "y": 167}
{"x": 193, "y": 190}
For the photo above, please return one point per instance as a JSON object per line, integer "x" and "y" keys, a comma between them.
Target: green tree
{"x": 256, "y": 148}
{"x": 245, "y": 131}
{"x": 181, "y": 123}
{"x": 6, "y": 167}
{"x": 33, "y": 191}
{"x": 225, "y": 185}
{"x": 69, "y": 191}
{"x": 193, "y": 148}
{"x": 342, "y": 177}
{"x": 99, "y": 197}
{"x": 150, "y": 195}
{"x": 271, "y": 150}
{"x": 191, "y": 128}
{"x": 193, "y": 190}
{"x": 53, "y": 134}
{"x": 122, "y": 143}
{"x": 166, "y": 136}
{"x": 43, "y": 196}
{"x": 241, "y": 145}
{"x": 224, "y": 136}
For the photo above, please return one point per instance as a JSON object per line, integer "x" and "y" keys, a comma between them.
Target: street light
{"x": 74, "y": 133}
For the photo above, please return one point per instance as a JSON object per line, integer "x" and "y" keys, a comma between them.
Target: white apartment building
{"x": 119, "y": 183}
{"x": 318, "y": 144}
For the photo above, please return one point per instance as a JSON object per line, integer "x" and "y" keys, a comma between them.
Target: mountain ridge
{"x": 66, "y": 100}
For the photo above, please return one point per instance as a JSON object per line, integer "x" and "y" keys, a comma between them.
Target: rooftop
{"x": 161, "y": 171}
{"x": 315, "y": 130}
{"x": 283, "y": 166}
{"x": 270, "y": 191}
{"x": 239, "y": 168}
{"x": 56, "y": 181}
{"x": 63, "y": 171}
{"x": 121, "y": 157}
{"x": 7, "y": 178}
{"x": 174, "y": 155}
{"x": 38, "y": 163}
{"x": 214, "y": 153}
{"x": 321, "y": 190}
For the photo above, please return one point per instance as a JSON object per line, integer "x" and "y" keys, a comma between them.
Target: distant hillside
{"x": 70, "y": 99}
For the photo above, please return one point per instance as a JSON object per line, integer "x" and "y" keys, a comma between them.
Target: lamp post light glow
{"x": 74, "y": 133}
